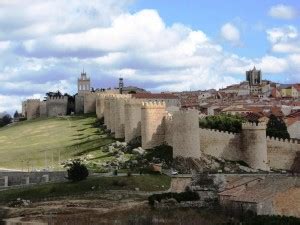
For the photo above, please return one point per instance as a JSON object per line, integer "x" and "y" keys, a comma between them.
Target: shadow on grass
{"x": 92, "y": 149}
{"x": 79, "y": 139}
{"x": 77, "y": 135}
{"x": 83, "y": 129}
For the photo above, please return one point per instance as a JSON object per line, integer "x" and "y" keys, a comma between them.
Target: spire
{"x": 254, "y": 68}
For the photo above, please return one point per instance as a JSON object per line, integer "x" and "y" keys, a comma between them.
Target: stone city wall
{"x": 43, "y": 109}
{"x": 156, "y": 126}
{"x": 33, "y": 108}
{"x": 220, "y": 144}
{"x": 79, "y": 104}
{"x": 57, "y": 106}
{"x": 185, "y": 129}
{"x": 120, "y": 115}
{"x": 133, "y": 111}
{"x": 89, "y": 102}
{"x": 152, "y": 126}
{"x": 282, "y": 153}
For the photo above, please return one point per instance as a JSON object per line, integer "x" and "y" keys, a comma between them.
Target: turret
{"x": 120, "y": 115}
{"x": 254, "y": 146}
{"x": 186, "y": 139}
{"x": 132, "y": 119}
{"x": 153, "y": 131}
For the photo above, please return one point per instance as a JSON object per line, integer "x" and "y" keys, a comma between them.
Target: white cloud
{"x": 271, "y": 64}
{"x": 230, "y": 33}
{"x": 11, "y": 103}
{"x": 46, "y": 54}
{"x": 282, "y": 12}
{"x": 284, "y": 39}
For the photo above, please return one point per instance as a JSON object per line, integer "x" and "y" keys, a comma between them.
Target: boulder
{"x": 138, "y": 151}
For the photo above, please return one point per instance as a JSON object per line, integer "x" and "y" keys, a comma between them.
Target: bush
{"x": 115, "y": 173}
{"x": 179, "y": 197}
{"x": 77, "y": 171}
{"x": 277, "y": 128}
{"x": 162, "y": 152}
{"x": 223, "y": 122}
{"x": 98, "y": 122}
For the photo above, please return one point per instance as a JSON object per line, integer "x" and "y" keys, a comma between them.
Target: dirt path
{"x": 54, "y": 210}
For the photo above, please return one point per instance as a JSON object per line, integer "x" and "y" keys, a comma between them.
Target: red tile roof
{"x": 155, "y": 96}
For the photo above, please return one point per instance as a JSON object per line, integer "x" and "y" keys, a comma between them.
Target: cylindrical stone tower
{"x": 100, "y": 105}
{"x": 186, "y": 139}
{"x": 153, "y": 130}
{"x": 112, "y": 115}
{"x": 132, "y": 119}
{"x": 255, "y": 145}
{"x": 107, "y": 112}
{"x": 120, "y": 116}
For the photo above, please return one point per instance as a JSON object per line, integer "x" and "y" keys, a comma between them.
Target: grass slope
{"x": 93, "y": 186}
{"x": 43, "y": 143}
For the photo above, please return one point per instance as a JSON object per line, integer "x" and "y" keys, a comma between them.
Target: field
{"x": 45, "y": 143}
{"x": 93, "y": 186}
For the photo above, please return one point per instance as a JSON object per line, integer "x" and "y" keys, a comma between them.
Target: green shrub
{"x": 115, "y": 173}
{"x": 77, "y": 171}
{"x": 162, "y": 152}
{"x": 277, "y": 128}
{"x": 224, "y": 122}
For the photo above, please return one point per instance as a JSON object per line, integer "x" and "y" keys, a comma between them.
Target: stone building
{"x": 254, "y": 77}
{"x": 261, "y": 195}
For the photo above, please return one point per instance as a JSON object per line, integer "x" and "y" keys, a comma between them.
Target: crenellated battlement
{"x": 57, "y": 99}
{"x": 153, "y": 105}
{"x": 33, "y": 100}
{"x": 290, "y": 141}
{"x": 219, "y": 132}
{"x": 254, "y": 126}
{"x": 133, "y": 101}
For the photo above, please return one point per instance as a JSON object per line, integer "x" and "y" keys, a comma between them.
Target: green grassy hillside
{"x": 43, "y": 143}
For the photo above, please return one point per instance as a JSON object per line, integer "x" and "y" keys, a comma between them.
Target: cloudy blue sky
{"x": 155, "y": 44}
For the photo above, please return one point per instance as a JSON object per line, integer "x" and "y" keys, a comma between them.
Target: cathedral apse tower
{"x": 254, "y": 77}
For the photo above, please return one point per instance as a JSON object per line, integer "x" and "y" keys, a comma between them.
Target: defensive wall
{"x": 43, "y": 109}
{"x": 89, "y": 102}
{"x": 129, "y": 118}
{"x": 57, "y": 106}
{"x": 8, "y": 178}
{"x": 180, "y": 129}
{"x": 53, "y": 106}
{"x": 32, "y": 108}
{"x": 79, "y": 104}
